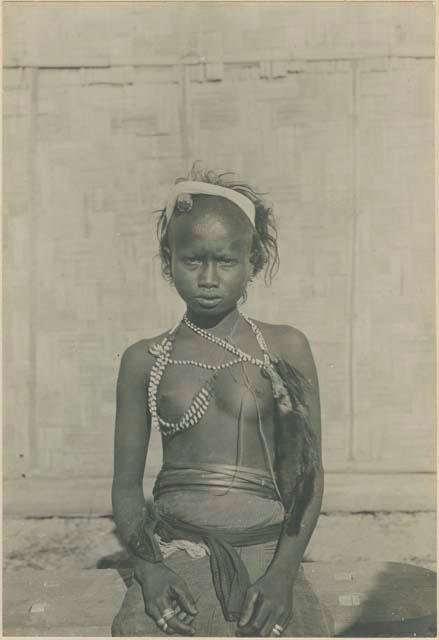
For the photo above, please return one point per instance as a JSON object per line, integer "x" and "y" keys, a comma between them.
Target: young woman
{"x": 218, "y": 552}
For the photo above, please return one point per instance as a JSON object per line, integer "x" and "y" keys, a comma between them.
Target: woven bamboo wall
{"x": 327, "y": 107}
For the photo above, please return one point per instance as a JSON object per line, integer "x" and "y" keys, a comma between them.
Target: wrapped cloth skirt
{"x": 310, "y": 618}
{"x": 240, "y": 510}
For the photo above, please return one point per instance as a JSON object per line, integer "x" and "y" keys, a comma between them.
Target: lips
{"x": 208, "y": 301}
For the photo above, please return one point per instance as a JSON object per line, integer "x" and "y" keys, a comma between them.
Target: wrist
{"x": 143, "y": 544}
{"x": 144, "y": 567}
{"x": 288, "y": 570}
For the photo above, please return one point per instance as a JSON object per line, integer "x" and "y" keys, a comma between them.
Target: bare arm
{"x": 132, "y": 433}
{"x": 291, "y": 548}
{"x": 269, "y": 600}
{"x": 162, "y": 588}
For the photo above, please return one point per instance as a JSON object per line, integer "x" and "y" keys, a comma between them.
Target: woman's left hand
{"x": 269, "y": 602}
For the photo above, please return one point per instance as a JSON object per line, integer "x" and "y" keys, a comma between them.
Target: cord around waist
{"x": 208, "y": 476}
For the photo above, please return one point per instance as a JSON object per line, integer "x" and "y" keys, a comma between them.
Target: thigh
{"x": 310, "y": 617}
{"x": 132, "y": 620}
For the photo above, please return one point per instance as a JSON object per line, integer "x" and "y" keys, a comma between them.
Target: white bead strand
{"x": 201, "y": 400}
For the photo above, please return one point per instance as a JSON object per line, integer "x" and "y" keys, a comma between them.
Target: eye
{"x": 191, "y": 261}
{"x": 227, "y": 261}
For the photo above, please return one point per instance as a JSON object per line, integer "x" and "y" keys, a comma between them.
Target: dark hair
{"x": 264, "y": 253}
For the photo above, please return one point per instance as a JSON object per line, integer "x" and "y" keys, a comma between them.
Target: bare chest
{"x": 240, "y": 388}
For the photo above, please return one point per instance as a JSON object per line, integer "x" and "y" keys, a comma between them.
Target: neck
{"x": 219, "y": 325}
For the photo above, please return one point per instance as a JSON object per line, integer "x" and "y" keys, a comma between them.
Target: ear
{"x": 253, "y": 266}
{"x": 166, "y": 261}
{"x": 257, "y": 260}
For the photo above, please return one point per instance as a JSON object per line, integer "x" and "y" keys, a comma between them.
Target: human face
{"x": 210, "y": 261}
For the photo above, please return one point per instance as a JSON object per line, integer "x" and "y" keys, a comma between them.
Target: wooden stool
{"x": 366, "y": 599}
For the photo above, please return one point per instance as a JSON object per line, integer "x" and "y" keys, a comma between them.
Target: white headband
{"x": 205, "y": 188}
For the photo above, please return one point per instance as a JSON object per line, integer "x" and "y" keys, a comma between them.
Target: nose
{"x": 208, "y": 276}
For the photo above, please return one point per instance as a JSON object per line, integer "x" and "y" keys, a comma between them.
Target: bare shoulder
{"x": 283, "y": 338}
{"x": 289, "y": 343}
{"x": 136, "y": 361}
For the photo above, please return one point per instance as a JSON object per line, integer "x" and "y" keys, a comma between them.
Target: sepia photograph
{"x": 219, "y": 330}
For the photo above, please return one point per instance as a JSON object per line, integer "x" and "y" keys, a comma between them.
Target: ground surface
{"x": 80, "y": 543}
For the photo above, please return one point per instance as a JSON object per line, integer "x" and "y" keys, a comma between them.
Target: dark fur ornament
{"x": 297, "y": 458}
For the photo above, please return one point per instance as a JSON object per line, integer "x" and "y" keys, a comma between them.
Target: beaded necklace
{"x": 199, "y": 405}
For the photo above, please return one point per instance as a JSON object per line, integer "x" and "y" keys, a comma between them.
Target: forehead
{"x": 211, "y": 228}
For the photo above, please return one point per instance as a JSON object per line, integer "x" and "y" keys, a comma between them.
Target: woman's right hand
{"x": 165, "y": 590}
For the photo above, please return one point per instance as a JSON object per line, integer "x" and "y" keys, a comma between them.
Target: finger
{"x": 247, "y": 610}
{"x": 185, "y": 599}
{"x": 188, "y": 619}
{"x": 174, "y": 624}
{"x": 169, "y": 631}
{"x": 259, "y": 618}
{"x": 180, "y": 627}
{"x": 274, "y": 619}
{"x": 273, "y": 633}
{"x": 153, "y": 611}
{"x": 184, "y": 617}
{"x": 267, "y": 629}
{"x": 165, "y": 603}
{"x": 179, "y": 611}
